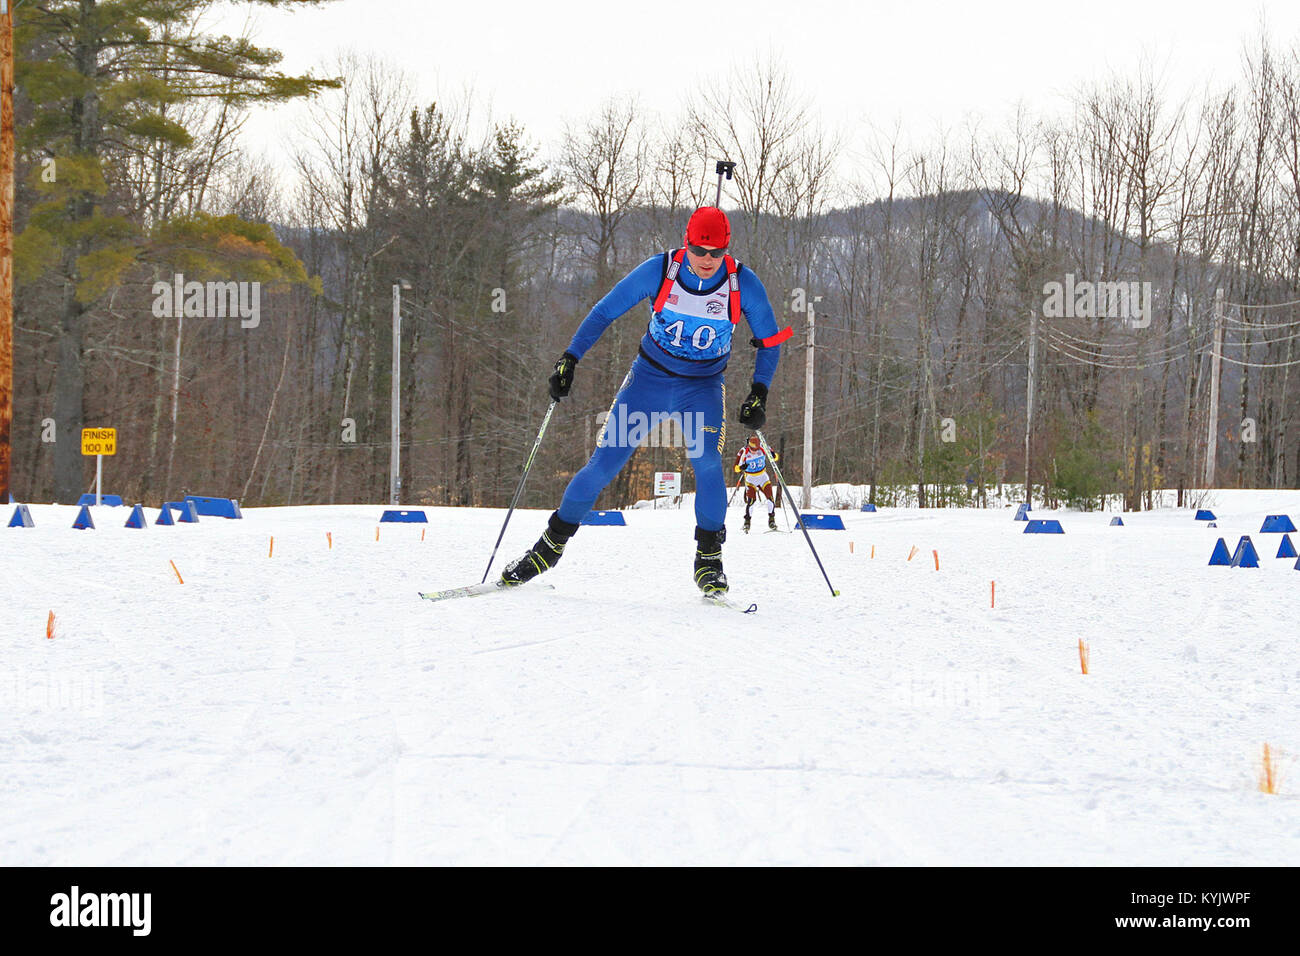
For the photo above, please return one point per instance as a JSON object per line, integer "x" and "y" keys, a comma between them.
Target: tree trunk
{"x": 70, "y": 381}
{"x": 69, "y": 389}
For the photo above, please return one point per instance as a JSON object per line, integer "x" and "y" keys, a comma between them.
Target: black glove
{"x": 753, "y": 412}
{"x": 562, "y": 378}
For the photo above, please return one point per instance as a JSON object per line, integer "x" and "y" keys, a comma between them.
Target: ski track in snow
{"x": 309, "y": 708}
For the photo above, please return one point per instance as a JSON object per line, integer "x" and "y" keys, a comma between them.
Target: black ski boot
{"x": 543, "y": 555}
{"x": 746, "y": 528}
{"x": 771, "y": 521}
{"x": 708, "y": 561}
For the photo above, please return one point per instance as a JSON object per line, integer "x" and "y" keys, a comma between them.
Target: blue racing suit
{"x": 677, "y": 375}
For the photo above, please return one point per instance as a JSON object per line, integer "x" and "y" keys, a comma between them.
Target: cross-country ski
{"x": 477, "y": 590}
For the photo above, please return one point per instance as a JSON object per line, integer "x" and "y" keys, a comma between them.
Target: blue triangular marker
{"x": 165, "y": 517}
{"x": 137, "y": 519}
{"x": 1043, "y": 526}
{"x": 1286, "y": 549}
{"x": 1117, "y": 522}
{"x": 1220, "y": 555}
{"x": 603, "y": 518}
{"x": 22, "y": 518}
{"x": 1245, "y": 556}
{"x": 84, "y": 521}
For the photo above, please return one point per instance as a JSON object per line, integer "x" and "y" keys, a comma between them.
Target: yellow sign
{"x": 99, "y": 441}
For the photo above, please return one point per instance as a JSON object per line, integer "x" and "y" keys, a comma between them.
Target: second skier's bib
{"x": 753, "y": 462}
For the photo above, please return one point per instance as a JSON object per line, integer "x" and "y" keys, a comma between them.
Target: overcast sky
{"x": 922, "y": 62}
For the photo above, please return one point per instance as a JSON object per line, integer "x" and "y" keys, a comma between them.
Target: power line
{"x": 1266, "y": 326}
{"x": 1062, "y": 348}
{"x": 1262, "y": 305}
{"x": 1121, "y": 352}
{"x": 1234, "y": 361}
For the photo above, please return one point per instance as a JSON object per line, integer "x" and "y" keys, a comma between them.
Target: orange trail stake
{"x": 178, "y": 574}
{"x": 911, "y": 554}
{"x": 421, "y": 534}
{"x": 329, "y": 539}
{"x": 1083, "y": 656}
{"x": 993, "y": 594}
{"x": 376, "y": 533}
{"x": 271, "y": 550}
{"x": 1268, "y": 773}
{"x": 49, "y": 636}
{"x": 936, "y": 560}
{"x": 873, "y": 550}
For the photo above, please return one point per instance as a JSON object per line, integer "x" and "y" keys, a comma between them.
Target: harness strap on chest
{"x": 733, "y": 296}
{"x": 670, "y": 276}
{"x": 733, "y": 286}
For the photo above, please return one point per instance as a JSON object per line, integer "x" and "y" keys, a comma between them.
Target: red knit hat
{"x": 708, "y": 226}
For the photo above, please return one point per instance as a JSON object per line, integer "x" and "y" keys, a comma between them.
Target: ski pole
{"x": 779, "y": 500}
{"x": 537, "y": 443}
{"x": 782, "y": 503}
{"x": 767, "y": 450}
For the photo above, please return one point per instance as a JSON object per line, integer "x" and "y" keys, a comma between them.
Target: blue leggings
{"x": 646, "y": 397}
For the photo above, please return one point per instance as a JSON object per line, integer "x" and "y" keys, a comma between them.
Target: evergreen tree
{"x": 98, "y": 78}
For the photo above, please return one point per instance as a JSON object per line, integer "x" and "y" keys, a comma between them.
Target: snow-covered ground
{"x": 307, "y": 708}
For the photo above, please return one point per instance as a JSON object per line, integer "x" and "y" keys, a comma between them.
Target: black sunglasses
{"x": 711, "y": 253}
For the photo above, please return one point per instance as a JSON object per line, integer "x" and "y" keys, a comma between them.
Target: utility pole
{"x": 1212, "y": 437}
{"x": 395, "y": 450}
{"x": 6, "y": 244}
{"x": 1029, "y": 398}
{"x": 808, "y": 405}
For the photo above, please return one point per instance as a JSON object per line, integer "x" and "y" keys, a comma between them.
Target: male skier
{"x": 698, "y": 294}
{"x": 751, "y": 464}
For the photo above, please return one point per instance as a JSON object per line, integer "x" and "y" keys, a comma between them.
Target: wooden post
{"x": 6, "y": 243}
{"x": 1212, "y": 416}
{"x": 395, "y": 442}
{"x": 1030, "y": 390}
{"x": 808, "y": 405}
